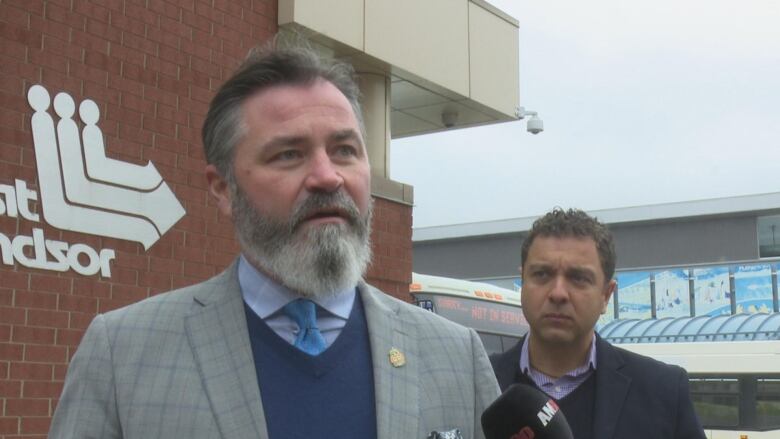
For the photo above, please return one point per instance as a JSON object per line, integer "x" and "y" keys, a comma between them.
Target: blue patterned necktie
{"x": 309, "y": 339}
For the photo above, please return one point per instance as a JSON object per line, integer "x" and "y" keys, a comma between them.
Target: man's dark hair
{"x": 281, "y": 62}
{"x": 574, "y": 223}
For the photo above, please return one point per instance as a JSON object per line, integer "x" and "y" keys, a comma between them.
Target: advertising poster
{"x": 608, "y": 316}
{"x": 672, "y": 298}
{"x": 634, "y": 295}
{"x": 753, "y": 284}
{"x": 777, "y": 275}
{"x": 711, "y": 291}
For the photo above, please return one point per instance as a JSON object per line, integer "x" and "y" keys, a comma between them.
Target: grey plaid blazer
{"x": 180, "y": 365}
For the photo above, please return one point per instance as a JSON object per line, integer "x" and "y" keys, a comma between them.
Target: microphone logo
{"x": 547, "y": 412}
{"x": 525, "y": 412}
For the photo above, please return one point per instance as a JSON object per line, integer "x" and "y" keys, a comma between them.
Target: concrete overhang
{"x": 457, "y": 58}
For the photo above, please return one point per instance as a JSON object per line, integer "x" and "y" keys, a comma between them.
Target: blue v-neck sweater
{"x": 330, "y": 395}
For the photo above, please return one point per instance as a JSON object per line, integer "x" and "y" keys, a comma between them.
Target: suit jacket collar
{"x": 611, "y": 384}
{"x": 219, "y": 339}
{"x": 611, "y": 389}
{"x": 506, "y": 366}
{"x": 395, "y": 388}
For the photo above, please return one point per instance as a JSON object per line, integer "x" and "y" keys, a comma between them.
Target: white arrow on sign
{"x": 71, "y": 201}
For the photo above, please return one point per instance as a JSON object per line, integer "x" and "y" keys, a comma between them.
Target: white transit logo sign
{"x": 84, "y": 191}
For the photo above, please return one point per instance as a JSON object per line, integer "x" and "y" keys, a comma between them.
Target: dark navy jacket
{"x": 636, "y": 397}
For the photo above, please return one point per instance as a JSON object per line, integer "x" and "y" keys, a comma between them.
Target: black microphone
{"x": 524, "y": 412}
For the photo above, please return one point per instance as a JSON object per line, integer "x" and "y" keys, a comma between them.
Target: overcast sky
{"x": 643, "y": 102}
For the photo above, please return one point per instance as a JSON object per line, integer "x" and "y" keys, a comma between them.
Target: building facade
{"x": 708, "y": 257}
{"x": 103, "y": 198}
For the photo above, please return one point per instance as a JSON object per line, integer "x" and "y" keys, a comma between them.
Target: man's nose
{"x": 323, "y": 175}
{"x": 559, "y": 291}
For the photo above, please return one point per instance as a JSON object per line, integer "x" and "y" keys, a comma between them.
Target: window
{"x": 768, "y": 403}
{"x": 769, "y": 236}
{"x": 716, "y": 401}
{"x": 737, "y": 402}
{"x": 491, "y": 342}
{"x": 508, "y": 342}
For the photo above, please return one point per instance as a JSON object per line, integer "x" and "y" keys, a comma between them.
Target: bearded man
{"x": 288, "y": 342}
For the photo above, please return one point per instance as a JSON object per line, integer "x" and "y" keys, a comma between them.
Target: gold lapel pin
{"x": 397, "y": 358}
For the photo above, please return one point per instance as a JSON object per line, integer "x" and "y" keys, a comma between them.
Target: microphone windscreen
{"x": 524, "y": 412}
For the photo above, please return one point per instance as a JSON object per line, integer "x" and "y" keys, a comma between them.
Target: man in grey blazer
{"x": 288, "y": 341}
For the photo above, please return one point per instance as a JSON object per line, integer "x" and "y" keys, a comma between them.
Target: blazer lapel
{"x": 395, "y": 386}
{"x": 506, "y": 365}
{"x": 611, "y": 389}
{"x": 219, "y": 339}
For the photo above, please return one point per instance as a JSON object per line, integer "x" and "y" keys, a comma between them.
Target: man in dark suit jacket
{"x": 567, "y": 265}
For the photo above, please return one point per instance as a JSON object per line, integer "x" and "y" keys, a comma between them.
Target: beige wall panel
{"x": 427, "y": 38}
{"x": 493, "y": 45}
{"x": 340, "y": 20}
{"x": 375, "y": 89}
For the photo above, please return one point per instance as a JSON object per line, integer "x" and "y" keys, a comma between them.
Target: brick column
{"x": 391, "y": 269}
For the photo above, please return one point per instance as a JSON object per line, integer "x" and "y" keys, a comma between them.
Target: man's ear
{"x": 609, "y": 289}
{"x": 219, "y": 189}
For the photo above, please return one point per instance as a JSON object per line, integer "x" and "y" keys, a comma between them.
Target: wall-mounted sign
{"x": 83, "y": 191}
{"x": 634, "y": 293}
{"x": 672, "y": 297}
{"x": 712, "y": 290}
{"x": 753, "y": 288}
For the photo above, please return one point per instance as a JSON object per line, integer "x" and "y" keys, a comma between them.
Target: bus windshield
{"x": 493, "y": 312}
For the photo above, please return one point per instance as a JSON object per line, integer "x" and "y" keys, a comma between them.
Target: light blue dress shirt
{"x": 558, "y": 388}
{"x": 267, "y": 298}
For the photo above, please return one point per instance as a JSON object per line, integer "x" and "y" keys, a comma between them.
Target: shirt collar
{"x": 266, "y": 296}
{"x": 590, "y": 362}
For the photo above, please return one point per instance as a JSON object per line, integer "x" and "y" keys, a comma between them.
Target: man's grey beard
{"x": 316, "y": 261}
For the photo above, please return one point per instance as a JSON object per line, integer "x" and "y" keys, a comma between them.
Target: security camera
{"x": 449, "y": 118}
{"x": 535, "y": 125}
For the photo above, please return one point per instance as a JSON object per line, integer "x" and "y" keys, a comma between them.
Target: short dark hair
{"x": 281, "y": 62}
{"x": 576, "y": 223}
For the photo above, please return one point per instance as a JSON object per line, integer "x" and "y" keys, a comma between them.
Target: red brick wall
{"x": 391, "y": 269}
{"x": 152, "y": 67}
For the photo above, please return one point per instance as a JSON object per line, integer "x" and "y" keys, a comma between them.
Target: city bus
{"x": 733, "y": 363}
{"x": 492, "y": 311}
{"x": 735, "y": 385}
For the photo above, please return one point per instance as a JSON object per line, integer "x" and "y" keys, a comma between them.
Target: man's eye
{"x": 290, "y": 154}
{"x": 346, "y": 151}
{"x": 540, "y": 274}
{"x": 579, "y": 279}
